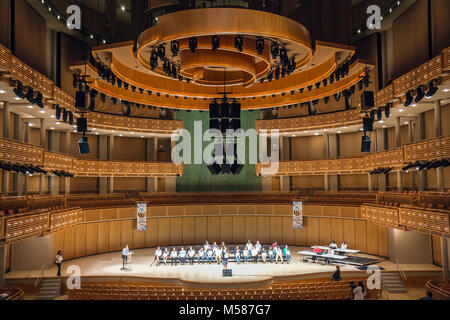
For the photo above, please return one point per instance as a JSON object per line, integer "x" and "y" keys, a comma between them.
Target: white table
{"x": 320, "y": 256}
{"x": 338, "y": 249}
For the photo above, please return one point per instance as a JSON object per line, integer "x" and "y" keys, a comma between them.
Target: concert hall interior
{"x": 224, "y": 150}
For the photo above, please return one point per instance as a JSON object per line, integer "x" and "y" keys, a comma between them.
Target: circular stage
{"x": 109, "y": 266}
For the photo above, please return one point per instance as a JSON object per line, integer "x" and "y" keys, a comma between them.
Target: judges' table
{"x": 344, "y": 251}
{"x": 322, "y": 256}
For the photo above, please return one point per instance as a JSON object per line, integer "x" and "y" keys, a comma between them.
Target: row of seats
{"x": 11, "y": 294}
{"x": 98, "y": 200}
{"x": 295, "y": 290}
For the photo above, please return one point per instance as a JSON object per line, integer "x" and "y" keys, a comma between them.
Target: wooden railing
{"x": 19, "y": 70}
{"x": 430, "y": 221}
{"x": 396, "y": 158}
{"x": 15, "y": 152}
{"x": 440, "y": 289}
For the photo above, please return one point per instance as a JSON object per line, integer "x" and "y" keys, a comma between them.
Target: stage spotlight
{"x": 83, "y": 145}
{"x": 154, "y": 60}
{"x": 409, "y": 98}
{"x": 238, "y": 43}
{"x": 70, "y": 118}
{"x": 326, "y": 99}
{"x": 193, "y": 44}
{"x": 432, "y": 89}
{"x": 161, "y": 51}
{"x": 366, "y": 143}
{"x": 277, "y": 73}
{"x": 301, "y": 90}
{"x": 420, "y": 94}
{"x": 367, "y": 124}
{"x": 113, "y": 80}
{"x": 325, "y": 82}
{"x": 58, "y": 112}
{"x": 387, "y": 111}
{"x": 174, "y": 47}
{"x": 38, "y": 101}
{"x": 317, "y": 85}
{"x": 75, "y": 81}
{"x": 332, "y": 78}
{"x": 310, "y": 88}
{"x": 215, "y": 43}
{"x": 360, "y": 85}
{"x": 141, "y": 91}
{"x": 103, "y": 97}
{"x": 133, "y": 88}
{"x": 275, "y": 50}
{"x": 337, "y": 96}
{"x": 270, "y": 76}
{"x": 30, "y": 95}
{"x": 379, "y": 114}
{"x": 260, "y": 46}
{"x": 125, "y": 85}
{"x": 19, "y": 90}
{"x": 119, "y": 83}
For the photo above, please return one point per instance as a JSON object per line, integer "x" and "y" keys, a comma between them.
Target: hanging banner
{"x": 141, "y": 217}
{"x": 297, "y": 215}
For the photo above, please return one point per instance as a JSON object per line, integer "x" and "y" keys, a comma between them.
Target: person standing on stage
{"x": 201, "y": 256}
{"x": 125, "y": 253}
{"x": 278, "y": 254}
{"x": 264, "y": 255}
{"x": 191, "y": 255}
{"x": 258, "y": 246}
{"x": 182, "y": 256}
{"x": 206, "y": 246}
{"x": 287, "y": 254}
{"x": 271, "y": 254}
{"x": 255, "y": 254}
{"x": 246, "y": 256}
{"x": 158, "y": 254}
{"x": 237, "y": 254}
{"x": 249, "y": 247}
{"x": 209, "y": 255}
{"x": 59, "y": 260}
{"x": 173, "y": 256}
{"x": 224, "y": 257}
{"x": 165, "y": 256}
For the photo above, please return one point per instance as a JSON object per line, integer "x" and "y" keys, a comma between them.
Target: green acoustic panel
{"x": 197, "y": 178}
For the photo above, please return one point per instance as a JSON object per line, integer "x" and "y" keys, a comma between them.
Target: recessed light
{"x": 305, "y": 131}
{"x": 293, "y": 135}
{"x": 120, "y": 135}
{"x": 445, "y": 90}
{"x": 30, "y": 107}
{"x": 113, "y": 131}
{"x": 94, "y": 129}
{"x": 3, "y": 91}
{"x": 132, "y": 132}
{"x": 17, "y": 98}
{"x": 52, "y": 116}
{"x": 339, "y": 131}
{"x": 345, "y": 127}
{"x": 316, "y": 133}
{"x": 42, "y": 111}
{"x": 142, "y": 136}
{"x": 384, "y": 126}
{"x": 52, "y": 128}
{"x": 96, "y": 133}
{"x": 30, "y": 124}
{"x": 400, "y": 110}
{"x": 414, "y": 105}
{"x": 381, "y": 121}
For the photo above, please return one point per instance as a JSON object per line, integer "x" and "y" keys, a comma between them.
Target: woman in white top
{"x": 173, "y": 256}
{"x": 264, "y": 255}
{"x": 182, "y": 256}
{"x": 165, "y": 255}
{"x": 258, "y": 246}
{"x": 59, "y": 260}
{"x": 158, "y": 254}
{"x": 191, "y": 255}
{"x": 359, "y": 292}
{"x": 209, "y": 255}
{"x": 344, "y": 245}
{"x": 255, "y": 255}
{"x": 218, "y": 254}
{"x": 246, "y": 256}
{"x": 206, "y": 246}
{"x": 237, "y": 254}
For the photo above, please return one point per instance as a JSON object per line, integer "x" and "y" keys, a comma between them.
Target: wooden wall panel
{"x": 238, "y": 229}
{"x": 383, "y": 241}
{"x": 127, "y": 233}
{"x": 350, "y": 235}
{"x": 325, "y": 231}
{"x": 372, "y": 238}
{"x": 300, "y": 236}
{"x": 69, "y": 242}
{"x": 201, "y": 229}
{"x": 226, "y": 229}
{"x": 251, "y": 228}
{"x": 337, "y": 230}
{"x": 176, "y": 231}
{"x": 276, "y": 229}
{"x": 312, "y": 231}
{"x": 360, "y": 235}
{"x": 164, "y": 231}
{"x": 189, "y": 230}
{"x": 264, "y": 230}
{"x": 139, "y": 238}
{"x": 115, "y": 235}
{"x": 288, "y": 231}
{"x": 91, "y": 238}
{"x": 80, "y": 240}
{"x": 214, "y": 229}
{"x": 437, "y": 253}
{"x": 59, "y": 241}
{"x": 103, "y": 237}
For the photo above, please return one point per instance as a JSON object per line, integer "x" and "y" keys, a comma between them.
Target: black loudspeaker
{"x": 214, "y": 110}
{"x": 214, "y": 124}
{"x": 236, "y": 124}
{"x": 58, "y": 112}
{"x": 81, "y": 124}
{"x": 379, "y": 114}
{"x": 366, "y": 144}
{"x": 224, "y": 125}
{"x": 235, "y": 110}
{"x": 224, "y": 110}
{"x": 367, "y": 124}
{"x": 227, "y": 272}
{"x": 80, "y": 100}
{"x": 367, "y": 100}
{"x": 387, "y": 111}
{"x": 83, "y": 145}
{"x": 70, "y": 118}
{"x": 65, "y": 115}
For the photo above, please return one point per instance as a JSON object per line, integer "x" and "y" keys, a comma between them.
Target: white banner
{"x": 297, "y": 215}
{"x": 141, "y": 216}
